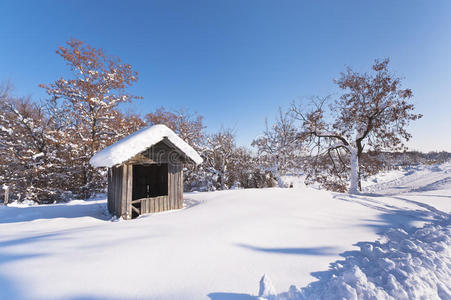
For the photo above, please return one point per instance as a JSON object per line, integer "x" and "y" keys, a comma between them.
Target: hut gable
{"x": 139, "y": 142}
{"x": 161, "y": 152}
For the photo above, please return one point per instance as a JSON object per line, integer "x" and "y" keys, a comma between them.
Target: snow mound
{"x": 138, "y": 142}
{"x": 266, "y": 289}
{"x": 402, "y": 265}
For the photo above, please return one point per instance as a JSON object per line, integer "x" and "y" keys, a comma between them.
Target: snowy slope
{"x": 218, "y": 247}
{"x": 411, "y": 179}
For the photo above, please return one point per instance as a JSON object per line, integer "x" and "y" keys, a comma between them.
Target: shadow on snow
{"x": 11, "y": 214}
{"x": 230, "y": 296}
{"x": 295, "y": 251}
{"x": 393, "y": 216}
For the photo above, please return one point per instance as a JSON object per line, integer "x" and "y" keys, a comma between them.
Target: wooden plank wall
{"x": 110, "y": 193}
{"x": 175, "y": 185}
{"x": 154, "y": 204}
{"x": 129, "y": 191}
{"x": 120, "y": 184}
{"x": 117, "y": 190}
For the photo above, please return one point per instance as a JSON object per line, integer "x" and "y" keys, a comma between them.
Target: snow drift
{"x": 415, "y": 265}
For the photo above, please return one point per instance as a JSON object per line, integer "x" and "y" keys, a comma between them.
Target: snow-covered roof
{"x": 138, "y": 142}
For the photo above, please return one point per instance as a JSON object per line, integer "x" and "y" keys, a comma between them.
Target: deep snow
{"x": 218, "y": 247}
{"x": 401, "y": 266}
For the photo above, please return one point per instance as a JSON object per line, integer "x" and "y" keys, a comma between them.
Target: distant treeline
{"x": 412, "y": 158}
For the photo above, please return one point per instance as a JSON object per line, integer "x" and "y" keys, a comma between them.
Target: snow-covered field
{"x": 221, "y": 244}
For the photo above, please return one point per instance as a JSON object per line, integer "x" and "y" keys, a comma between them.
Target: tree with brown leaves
{"x": 89, "y": 102}
{"x": 371, "y": 114}
{"x": 187, "y": 125}
{"x": 190, "y": 127}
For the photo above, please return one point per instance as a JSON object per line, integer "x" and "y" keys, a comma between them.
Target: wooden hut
{"x": 145, "y": 171}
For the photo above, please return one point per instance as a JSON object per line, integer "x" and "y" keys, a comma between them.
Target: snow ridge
{"x": 415, "y": 265}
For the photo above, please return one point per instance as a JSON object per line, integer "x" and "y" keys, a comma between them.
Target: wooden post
{"x": 6, "y": 188}
{"x": 129, "y": 191}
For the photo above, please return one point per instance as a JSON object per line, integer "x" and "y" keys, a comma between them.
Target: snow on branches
{"x": 372, "y": 113}
{"x": 86, "y": 107}
{"x": 278, "y": 147}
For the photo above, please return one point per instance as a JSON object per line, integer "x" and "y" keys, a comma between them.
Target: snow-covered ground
{"x": 220, "y": 245}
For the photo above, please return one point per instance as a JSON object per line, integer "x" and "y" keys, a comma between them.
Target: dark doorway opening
{"x": 150, "y": 181}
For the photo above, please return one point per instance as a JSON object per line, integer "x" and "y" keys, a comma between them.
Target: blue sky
{"x": 236, "y": 62}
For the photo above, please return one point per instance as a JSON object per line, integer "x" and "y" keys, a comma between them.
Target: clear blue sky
{"x": 236, "y": 62}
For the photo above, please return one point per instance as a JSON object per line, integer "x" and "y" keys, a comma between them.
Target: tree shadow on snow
{"x": 393, "y": 216}
{"x": 314, "y": 251}
{"x": 436, "y": 185}
{"x": 10, "y": 289}
{"x": 438, "y": 196}
{"x": 11, "y": 214}
{"x": 230, "y": 296}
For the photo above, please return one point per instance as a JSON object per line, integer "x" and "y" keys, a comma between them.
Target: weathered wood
{"x": 136, "y": 210}
{"x": 141, "y": 160}
{"x": 180, "y": 189}
{"x": 118, "y": 196}
{"x": 169, "y": 184}
{"x": 124, "y": 192}
{"x": 116, "y": 191}
{"x": 152, "y": 205}
{"x": 109, "y": 190}
{"x": 129, "y": 191}
{"x": 165, "y": 204}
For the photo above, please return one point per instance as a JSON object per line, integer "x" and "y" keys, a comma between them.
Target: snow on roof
{"x": 138, "y": 142}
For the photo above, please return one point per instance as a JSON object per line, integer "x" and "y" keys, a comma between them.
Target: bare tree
{"x": 189, "y": 126}
{"x": 278, "y": 147}
{"x": 373, "y": 113}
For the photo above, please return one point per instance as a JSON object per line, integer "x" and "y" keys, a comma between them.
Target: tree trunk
{"x": 360, "y": 182}
{"x": 354, "y": 185}
{"x": 276, "y": 174}
{"x": 222, "y": 178}
{"x": 359, "y": 155}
